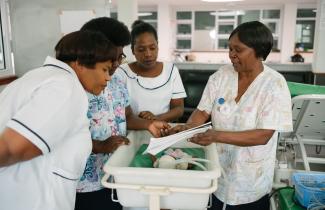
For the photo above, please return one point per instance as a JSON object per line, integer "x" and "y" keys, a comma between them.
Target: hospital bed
{"x": 303, "y": 146}
{"x": 308, "y": 112}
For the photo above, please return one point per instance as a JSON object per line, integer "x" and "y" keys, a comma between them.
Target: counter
{"x": 282, "y": 67}
{"x": 196, "y": 75}
{"x": 293, "y": 72}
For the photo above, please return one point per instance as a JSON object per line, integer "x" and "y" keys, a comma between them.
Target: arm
{"x": 240, "y": 138}
{"x": 15, "y": 148}
{"x": 109, "y": 145}
{"x": 134, "y": 122}
{"x": 175, "y": 112}
{"x": 198, "y": 117}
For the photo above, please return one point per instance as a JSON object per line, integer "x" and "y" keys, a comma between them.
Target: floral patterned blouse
{"x": 107, "y": 118}
{"x": 266, "y": 104}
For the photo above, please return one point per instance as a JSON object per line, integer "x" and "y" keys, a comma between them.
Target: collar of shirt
{"x": 50, "y": 61}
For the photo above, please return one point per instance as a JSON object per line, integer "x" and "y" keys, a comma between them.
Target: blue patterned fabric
{"x": 107, "y": 118}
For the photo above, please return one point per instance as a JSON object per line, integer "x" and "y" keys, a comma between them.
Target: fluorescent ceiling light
{"x": 228, "y": 13}
{"x": 144, "y": 14}
{"x": 221, "y": 0}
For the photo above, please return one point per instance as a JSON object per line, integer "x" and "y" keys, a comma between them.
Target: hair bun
{"x": 136, "y": 23}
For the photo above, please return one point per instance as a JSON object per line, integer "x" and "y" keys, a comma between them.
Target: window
{"x": 146, "y": 16}
{"x": 184, "y": 15}
{"x": 248, "y": 15}
{"x": 305, "y": 29}
{"x": 210, "y": 30}
{"x": 225, "y": 24}
{"x": 113, "y": 15}
{"x": 149, "y": 17}
{"x": 184, "y": 30}
{"x": 6, "y": 65}
{"x": 271, "y": 18}
{"x": 204, "y": 20}
{"x": 183, "y": 44}
{"x": 271, "y": 14}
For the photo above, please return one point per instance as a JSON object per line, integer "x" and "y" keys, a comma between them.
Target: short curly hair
{"x": 114, "y": 30}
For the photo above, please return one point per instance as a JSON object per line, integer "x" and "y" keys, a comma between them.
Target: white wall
{"x": 36, "y": 28}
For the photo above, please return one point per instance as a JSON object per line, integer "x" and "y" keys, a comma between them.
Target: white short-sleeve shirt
{"x": 153, "y": 94}
{"x": 266, "y": 104}
{"x": 48, "y": 106}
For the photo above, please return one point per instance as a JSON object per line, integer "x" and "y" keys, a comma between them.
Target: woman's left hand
{"x": 206, "y": 138}
{"x": 147, "y": 115}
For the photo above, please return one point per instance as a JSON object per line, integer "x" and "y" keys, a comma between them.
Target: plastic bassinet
{"x": 160, "y": 188}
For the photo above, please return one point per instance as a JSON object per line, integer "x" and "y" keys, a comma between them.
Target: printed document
{"x": 157, "y": 145}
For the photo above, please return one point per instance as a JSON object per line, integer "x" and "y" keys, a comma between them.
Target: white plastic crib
{"x": 160, "y": 188}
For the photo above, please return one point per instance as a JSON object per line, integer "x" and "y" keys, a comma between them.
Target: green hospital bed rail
{"x": 297, "y": 89}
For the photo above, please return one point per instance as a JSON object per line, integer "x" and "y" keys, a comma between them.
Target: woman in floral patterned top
{"x": 110, "y": 115}
{"x": 249, "y": 103}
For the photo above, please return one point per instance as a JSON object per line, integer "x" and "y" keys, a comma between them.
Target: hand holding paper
{"x": 156, "y": 145}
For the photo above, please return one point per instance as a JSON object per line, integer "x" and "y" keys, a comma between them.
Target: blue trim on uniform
{"x": 64, "y": 176}
{"x": 178, "y": 92}
{"x": 33, "y": 133}
{"x": 53, "y": 65}
{"x": 170, "y": 75}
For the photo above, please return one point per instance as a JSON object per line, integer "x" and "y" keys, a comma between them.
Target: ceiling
{"x": 201, "y": 3}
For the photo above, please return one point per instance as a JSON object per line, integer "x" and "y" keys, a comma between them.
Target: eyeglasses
{"x": 121, "y": 58}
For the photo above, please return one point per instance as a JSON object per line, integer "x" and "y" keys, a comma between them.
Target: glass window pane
{"x": 204, "y": 21}
{"x": 305, "y": 31}
{"x": 222, "y": 43}
{"x": 183, "y": 44}
{"x": 271, "y": 14}
{"x": 184, "y": 29}
{"x": 2, "y": 57}
{"x": 148, "y": 15}
{"x": 306, "y": 13}
{"x": 271, "y": 26}
{"x": 154, "y": 24}
{"x": 225, "y": 29}
{"x": 249, "y": 15}
{"x": 184, "y": 15}
{"x": 275, "y": 45}
{"x": 114, "y": 15}
{"x": 6, "y": 65}
{"x": 226, "y": 17}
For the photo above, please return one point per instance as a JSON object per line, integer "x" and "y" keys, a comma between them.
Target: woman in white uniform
{"x": 249, "y": 103}
{"x": 155, "y": 88}
{"x": 44, "y": 129}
